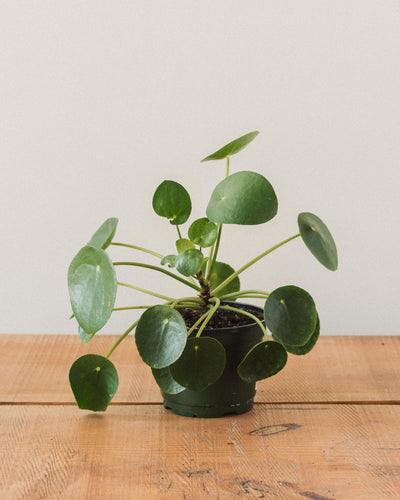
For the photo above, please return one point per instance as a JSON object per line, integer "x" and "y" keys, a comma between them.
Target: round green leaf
{"x": 243, "y": 198}
{"x": 92, "y": 284}
{"x": 160, "y": 336}
{"x": 94, "y": 381}
{"x": 183, "y": 244}
{"x": 318, "y": 240}
{"x": 165, "y": 381}
{"x": 189, "y": 262}
{"x": 170, "y": 260}
{"x": 104, "y": 235}
{"x": 201, "y": 364}
{"x": 85, "y": 337}
{"x": 301, "y": 350}
{"x": 291, "y": 315}
{"x": 233, "y": 147}
{"x": 171, "y": 200}
{"x": 203, "y": 232}
{"x": 262, "y": 361}
{"x": 220, "y": 273}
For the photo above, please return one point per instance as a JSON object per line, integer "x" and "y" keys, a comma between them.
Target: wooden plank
{"x": 34, "y": 368}
{"x": 278, "y": 452}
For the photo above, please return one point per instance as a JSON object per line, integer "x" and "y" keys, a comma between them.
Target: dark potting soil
{"x": 221, "y": 319}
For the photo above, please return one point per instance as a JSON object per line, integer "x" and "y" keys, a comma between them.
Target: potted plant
{"x": 206, "y": 350}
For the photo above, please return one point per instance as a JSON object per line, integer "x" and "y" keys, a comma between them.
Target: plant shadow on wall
{"x": 174, "y": 338}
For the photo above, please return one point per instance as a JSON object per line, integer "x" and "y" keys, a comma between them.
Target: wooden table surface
{"x": 327, "y": 426}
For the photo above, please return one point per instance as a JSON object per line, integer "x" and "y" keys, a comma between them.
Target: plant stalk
{"x": 128, "y": 308}
{"x": 214, "y": 251}
{"x": 148, "y": 292}
{"x": 193, "y": 327}
{"x": 161, "y": 270}
{"x": 146, "y": 250}
{"x": 240, "y": 293}
{"x": 210, "y": 314}
{"x": 253, "y": 261}
{"x": 128, "y": 331}
{"x": 196, "y": 300}
{"x": 245, "y": 313}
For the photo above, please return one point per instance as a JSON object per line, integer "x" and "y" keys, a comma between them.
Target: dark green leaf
{"x": 171, "y": 200}
{"x": 291, "y": 315}
{"x": 183, "y": 244}
{"x": 104, "y": 235}
{"x": 201, "y": 364}
{"x": 220, "y": 273}
{"x": 189, "y": 262}
{"x": 203, "y": 232}
{"x": 94, "y": 381}
{"x": 262, "y": 361}
{"x": 165, "y": 381}
{"x": 92, "y": 284}
{"x": 170, "y": 260}
{"x": 160, "y": 336}
{"x": 85, "y": 337}
{"x": 233, "y": 147}
{"x": 243, "y": 198}
{"x": 318, "y": 240}
{"x": 301, "y": 350}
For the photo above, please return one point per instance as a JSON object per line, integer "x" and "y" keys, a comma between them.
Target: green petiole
{"x": 192, "y": 328}
{"x": 214, "y": 251}
{"x": 128, "y": 331}
{"x": 128, "y": 308}
{"x": 245, "y": 293}
{"x": 146, "y": 250}
{"x": 161, "y": 270}
{"x": 195, "y": 300}
{"x": 148, "y": 292}
{"x": 245, "y": 313}
{"x": 210, "y": 314}
{"x": 253, "y": 261}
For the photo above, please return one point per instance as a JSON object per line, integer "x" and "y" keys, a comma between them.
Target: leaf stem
{"x": 252, "y": 296}
{"x": 196, "y": 300}
{"x": 146, "y": 250}
{"x": 190, "y": 305}
{"x": 215, "y": 247}
{"x": 128, "y": 331}
{"x": 193, "y": 327}
{"x": 179, "y": 232}
{"x": 143, "y": 290}
{"x": 239, "y": 293}
{"x": 161, "y": 270}
{"x": 214, "y": 251}
{"x": 245, "y": 313}
{"x": 210, "y": 314}
{"x": 130, "y": 308}
{"x": 253, "y": 261}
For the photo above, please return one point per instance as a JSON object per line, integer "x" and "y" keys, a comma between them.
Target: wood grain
{"x": 34, "y": 368}
{"x": 277, "y": 452}
{"x": 49, "y": 449}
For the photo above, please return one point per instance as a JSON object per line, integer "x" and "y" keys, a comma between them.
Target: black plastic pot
{"x": 229, "y": 394}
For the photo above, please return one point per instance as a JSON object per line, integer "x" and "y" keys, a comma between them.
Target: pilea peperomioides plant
{"x": 180, "y": 357}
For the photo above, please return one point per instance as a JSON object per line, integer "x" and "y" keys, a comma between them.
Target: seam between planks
{"x": 154, "y": 403}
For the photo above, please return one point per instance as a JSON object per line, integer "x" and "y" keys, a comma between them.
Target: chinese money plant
{"x": 180, "y": 357}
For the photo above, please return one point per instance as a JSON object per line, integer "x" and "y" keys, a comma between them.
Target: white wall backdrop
{"x": 102, "y": 100}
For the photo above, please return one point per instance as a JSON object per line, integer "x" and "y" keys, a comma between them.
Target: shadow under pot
{"x": 229, "y": 394}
